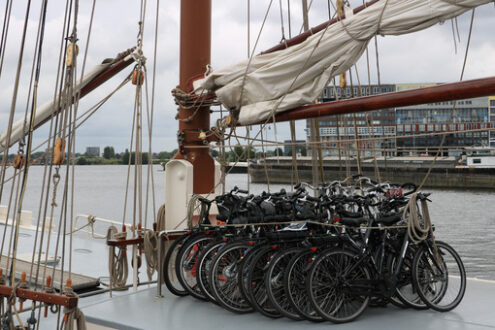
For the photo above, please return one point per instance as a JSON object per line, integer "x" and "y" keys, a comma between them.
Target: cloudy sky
{"x": 427, "y": 56}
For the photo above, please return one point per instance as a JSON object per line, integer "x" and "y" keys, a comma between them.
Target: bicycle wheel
{"x": 440, "y": 282}
{"x": 256, "y": 283}
{"x": 242, "y": 274}
{"x": 274, "y": 283}
{"x": 330, "y": 284}
{"x": 406, "y": 294}
{"x": 204, "y": 267}
{"x": 169, "y": 273}
{"x": 295, "y": 285}
{"x": 224, "y": 278}
{"x": 186, "y": 264}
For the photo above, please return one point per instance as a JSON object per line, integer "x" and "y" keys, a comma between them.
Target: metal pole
{"x": 160, "y": 265}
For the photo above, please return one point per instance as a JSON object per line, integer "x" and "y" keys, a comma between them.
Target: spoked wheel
{"x": 256, "y": 283}
{"x": 440, "y": 281}
{"x": 187, "y": 262}
{"x": 242, "y": 275}
{"x": 204, "y": 268}
{"x": 406, "y": 294}
{"x": 295, "y": 287}
{"x": 169, "y": 273}
{"x": 224, "y": 278}
{"x": 330, "y": 284}
{"x": 274, "y": 283}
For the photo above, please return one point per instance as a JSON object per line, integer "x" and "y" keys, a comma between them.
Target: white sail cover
{"x": 45, "y": 111}
{"x": 295, "y": 76}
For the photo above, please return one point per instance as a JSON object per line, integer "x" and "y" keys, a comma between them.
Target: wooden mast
{"x": 195, "y": 40}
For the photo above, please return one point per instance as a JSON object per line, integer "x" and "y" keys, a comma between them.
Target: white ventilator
{"x": 282, "y": 80}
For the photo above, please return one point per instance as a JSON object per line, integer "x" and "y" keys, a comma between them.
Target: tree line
{"x": 109, "y": 156}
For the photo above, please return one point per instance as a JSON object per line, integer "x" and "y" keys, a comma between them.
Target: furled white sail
{"x": 44, "y": 112}
{"x": 288, "y": 78}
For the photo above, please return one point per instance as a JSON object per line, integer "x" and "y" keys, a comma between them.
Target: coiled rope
{"x": 418, "y": 224}
{"x": 117, "y": 264}
{"x": 150, "y": 243}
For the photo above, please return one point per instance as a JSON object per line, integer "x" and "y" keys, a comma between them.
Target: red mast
{"x": 195, "y": 41}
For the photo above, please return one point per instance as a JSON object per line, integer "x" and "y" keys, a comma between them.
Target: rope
{"x": 150, "y": 243}
{"x": 191, "y": 207}
{"x": 73, "y": 314}
{"x": 160, "y": 219}
{"x": 117, "y": 264}
{"x": 340, "y": 226}
{"x": 451, "y": 119}
{"x": 419, "y": 227}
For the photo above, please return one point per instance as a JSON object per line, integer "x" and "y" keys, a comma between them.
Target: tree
{"x": 82, "y": 161}
{"x": 125, "y": 157}
{"x": 108, "y": 152}
{"x": 242, "y": 154}
{"x": 304, "y": 152}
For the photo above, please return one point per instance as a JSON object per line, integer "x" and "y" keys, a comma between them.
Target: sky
{"x": 427, "y": 56}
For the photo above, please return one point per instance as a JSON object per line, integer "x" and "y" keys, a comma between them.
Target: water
{"x": 463, "y": 218}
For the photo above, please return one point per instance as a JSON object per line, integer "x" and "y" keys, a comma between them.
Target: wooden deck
{"x": 79, "y": 282}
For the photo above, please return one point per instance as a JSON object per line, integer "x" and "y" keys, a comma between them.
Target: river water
{"x": 463, "y": 218}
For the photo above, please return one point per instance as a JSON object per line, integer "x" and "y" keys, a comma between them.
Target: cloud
{"x": 419, "y": 57}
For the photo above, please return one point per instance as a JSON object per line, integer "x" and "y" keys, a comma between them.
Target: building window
{"x": 476, "y": 160}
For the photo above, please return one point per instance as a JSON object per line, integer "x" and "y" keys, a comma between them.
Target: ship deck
{"x": 129, "y": 310}
{"x": 143, "y": 310}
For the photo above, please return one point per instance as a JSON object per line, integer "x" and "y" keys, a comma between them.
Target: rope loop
{"x": 72, "y": 314}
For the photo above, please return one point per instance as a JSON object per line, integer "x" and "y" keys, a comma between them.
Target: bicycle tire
{"x": 224, "y": 278}
{"x": 169, "y": 273}
{"x": 204, "y": 267}
{"x": 274, "y": 283}
{"x": 428, "y": 274}
{"x": 334, "y": 273}
{"x": 256, "y": 278}
{"x": 186, "y": 264}
{"x": 294, "y": 285}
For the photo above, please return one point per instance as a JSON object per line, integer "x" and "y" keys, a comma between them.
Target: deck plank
{"x": 79, "y": 282}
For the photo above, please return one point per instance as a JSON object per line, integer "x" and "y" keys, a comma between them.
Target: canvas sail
{"x": 295, "y": 76}
{"x": 45, "y": 111}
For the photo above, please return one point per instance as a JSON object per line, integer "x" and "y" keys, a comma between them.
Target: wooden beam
{"x": 303, "y": 36}
{"x": 125, "y": 242}
{"x": 48, "y": 298}
{"x": 440, "y": 93}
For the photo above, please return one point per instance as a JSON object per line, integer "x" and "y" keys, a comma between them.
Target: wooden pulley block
{"x": 71, "y": 53}
{"x": 138, "y": 260}
{"x": 342, "y": 80}
{"x": 59, "y": 152}
{"x": 19, "y": 162}
{"x": 137, "y": 77}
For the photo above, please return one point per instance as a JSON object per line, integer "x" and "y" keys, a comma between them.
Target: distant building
{"x": 335, "y": 128}
{"x": 301, "y": 144}
{"x": 409, "y": 128}
{"x": 417, "y": 122}
{"x": 93, "y": 151}
{"x": 491, "y": 112}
